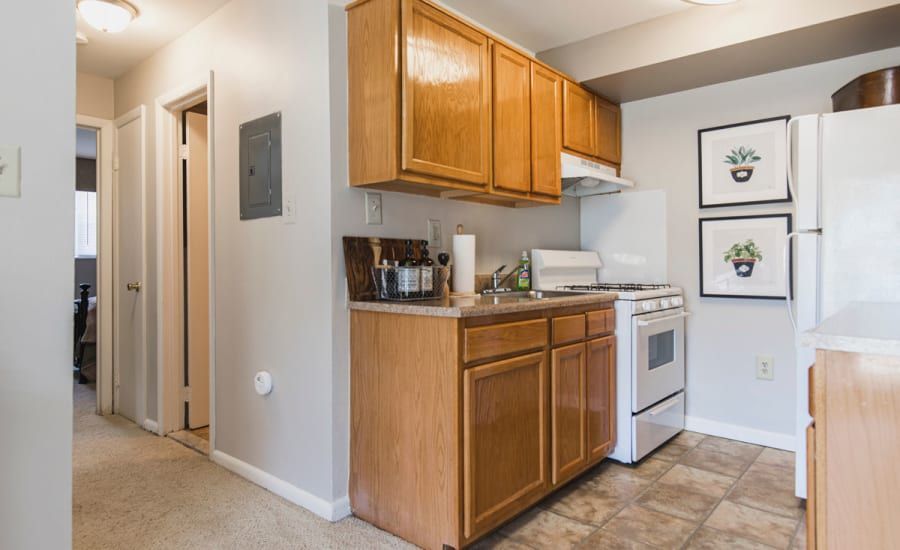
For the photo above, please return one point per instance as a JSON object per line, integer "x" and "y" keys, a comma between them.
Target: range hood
{"x": 583, "y": 178}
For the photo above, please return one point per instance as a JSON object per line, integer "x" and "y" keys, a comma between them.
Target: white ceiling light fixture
{"x": 107, "y": 15}
{"x": 710, "y": 2}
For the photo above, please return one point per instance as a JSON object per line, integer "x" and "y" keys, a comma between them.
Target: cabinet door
{"x": 601, "y": 397}
{"x": 546, "y": 130}
{"x": 567, "y": 409}
{"x": 504, "y": 439}
{"x": 512, "y": 120}
{"x": 579, "y": 113}
{"x": 608, "y": 131}
{"x": 445, "y": 96}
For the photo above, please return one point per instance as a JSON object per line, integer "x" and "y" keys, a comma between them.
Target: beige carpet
{"x": 135, "y": 490}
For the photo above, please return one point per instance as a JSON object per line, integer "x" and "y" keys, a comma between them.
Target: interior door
{"x": 446, "y": 96}
{"x": 546, "y": 130}
{"x": 197, "y": 269}
{"x": 129, "y": 338}
{"x": 512, "y": 120}
{"x": 567, "y": 410}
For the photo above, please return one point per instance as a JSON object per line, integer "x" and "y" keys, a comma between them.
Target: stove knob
{"x": 677, "y": 301}
{"x": 664, "y": 303}
{"x": 648, "y": 306}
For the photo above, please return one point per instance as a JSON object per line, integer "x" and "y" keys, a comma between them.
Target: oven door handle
{"x": 663, "y": 319}
{"x": 664, "y": 407}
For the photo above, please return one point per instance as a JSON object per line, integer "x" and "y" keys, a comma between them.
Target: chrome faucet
{"x": 497, "y": 281}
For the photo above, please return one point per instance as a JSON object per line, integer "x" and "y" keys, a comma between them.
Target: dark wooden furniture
{"x": 81, "y": 313}
{"x": 869, "y": 90}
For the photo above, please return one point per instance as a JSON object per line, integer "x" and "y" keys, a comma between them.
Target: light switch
{"x": 290, "y": 208}
{"x": 10, "y": 157}
{"x": 373, "y": 208}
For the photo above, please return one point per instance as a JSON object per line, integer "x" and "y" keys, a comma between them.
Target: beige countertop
{"x": 477, "y": 306}
{"x": 861, "y": 327}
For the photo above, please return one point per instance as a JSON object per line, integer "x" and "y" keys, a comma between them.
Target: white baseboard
{"x": 332, "y": 511}
{"x": 775, "y": 440}
{"x": 150, "y": 426}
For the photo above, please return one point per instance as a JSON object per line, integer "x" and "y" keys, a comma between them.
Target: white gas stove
{"x": 650, "y": 321}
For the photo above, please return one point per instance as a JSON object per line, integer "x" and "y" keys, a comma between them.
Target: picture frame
{"x": 744, "y": 163}
{"x": 743, "y": 257}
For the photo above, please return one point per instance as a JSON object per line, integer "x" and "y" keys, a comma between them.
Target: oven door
{"x": 657, "y": 369}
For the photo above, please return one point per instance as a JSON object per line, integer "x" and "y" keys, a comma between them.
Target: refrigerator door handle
{"x": 789, "y": 297}
{"x": 790, "y": 159}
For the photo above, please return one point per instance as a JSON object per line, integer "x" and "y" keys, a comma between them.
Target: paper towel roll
{"x": 464, "y": 264}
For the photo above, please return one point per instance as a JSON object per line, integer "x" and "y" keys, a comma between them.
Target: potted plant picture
{"x": 743, "y": 257}
{"x": 741, "y": 161}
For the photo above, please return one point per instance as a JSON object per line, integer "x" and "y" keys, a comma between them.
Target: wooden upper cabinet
{"x": 567, "y": 411}
{"x": 601, "y": 397}
{"x": 504, "y": 440}
{"x": 579, "y": 116}
{"x": 512, "y": 120}
{"x": 546, "y": 130}
{"x": 445, "y": 96}
{"x": 609, "y": 146}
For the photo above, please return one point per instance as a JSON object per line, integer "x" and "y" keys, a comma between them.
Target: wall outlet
{"x": 765, "y": 367}
{"x": 434, "y": 233}
{"x": 373, "y": 208}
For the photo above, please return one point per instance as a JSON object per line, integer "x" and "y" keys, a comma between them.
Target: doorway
{"x": 195, "y": 261}
{"x": 92, "y": 344}
{"x": 186, "y": 401}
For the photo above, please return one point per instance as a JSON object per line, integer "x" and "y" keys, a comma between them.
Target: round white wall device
{"x": 263, "y": 382}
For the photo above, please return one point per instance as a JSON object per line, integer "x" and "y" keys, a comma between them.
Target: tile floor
{"x": 695, "y": 492}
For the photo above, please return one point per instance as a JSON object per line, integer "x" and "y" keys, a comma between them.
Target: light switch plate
{"x": 10, "y": 170}
{"x": 373, "y": 208}
{"x": 434, "y": 233}
{"x": 289, "y": 211}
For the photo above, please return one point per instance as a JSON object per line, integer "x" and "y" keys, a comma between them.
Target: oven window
{"x": 661, "y": 349}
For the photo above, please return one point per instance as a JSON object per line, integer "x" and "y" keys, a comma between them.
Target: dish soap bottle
{"x": 523, "y": 279}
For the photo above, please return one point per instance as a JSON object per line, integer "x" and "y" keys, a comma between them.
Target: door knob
{"x": 135, "y": 286}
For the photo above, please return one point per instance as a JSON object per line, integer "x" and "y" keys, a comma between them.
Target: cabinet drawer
{"x": 504, "y": 339}
{"x": 601, "y": 322}
{"x": 568, "y": 329}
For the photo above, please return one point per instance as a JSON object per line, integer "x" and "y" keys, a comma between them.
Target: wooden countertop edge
{"x": 442, "y": 309}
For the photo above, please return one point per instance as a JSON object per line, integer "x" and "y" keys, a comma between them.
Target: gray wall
{"x": 725, "y": 335}
{"x": 501, "y": 233}
{"x": 37, "y": 108}
{"x": 272, "y": 280}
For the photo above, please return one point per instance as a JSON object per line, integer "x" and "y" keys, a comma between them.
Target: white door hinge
{"x": 186, "y": 393}
{"x": 116, "y": 163}
{"x": 183, "y": 152}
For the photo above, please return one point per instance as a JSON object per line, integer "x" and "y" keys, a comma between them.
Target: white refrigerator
{"x": 846, "y": 179}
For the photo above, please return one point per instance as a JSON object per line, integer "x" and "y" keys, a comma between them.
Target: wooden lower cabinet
{"x": 600, "y": 387}
{"x": 569, "y": 448}
{"x": 504, "y": 439}
{"x": 459, "y": 425}
{"x": 853, "y": 452}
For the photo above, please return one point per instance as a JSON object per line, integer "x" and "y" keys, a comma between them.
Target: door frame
{"x": 105, "y": 213}
{"x": 170, "y": 272}
{"x": 139, "y": 112}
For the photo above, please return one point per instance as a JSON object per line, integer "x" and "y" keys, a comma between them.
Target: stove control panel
{"x": 677, "y": 301}
{"x": 649, "y": 305}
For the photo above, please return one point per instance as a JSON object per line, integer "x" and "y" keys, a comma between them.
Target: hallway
{"x": 132, "y": 489}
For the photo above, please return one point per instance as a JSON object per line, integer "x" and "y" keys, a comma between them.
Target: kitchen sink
{"x": 525, "y": 295}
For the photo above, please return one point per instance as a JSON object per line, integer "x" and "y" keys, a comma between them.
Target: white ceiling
{"x": 539, "y": 25}
{"x": 159, "y": 22}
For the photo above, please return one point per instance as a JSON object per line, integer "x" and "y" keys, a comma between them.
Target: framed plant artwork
{"x": 743, "y": 256}
{"x": 744, "y": 163}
